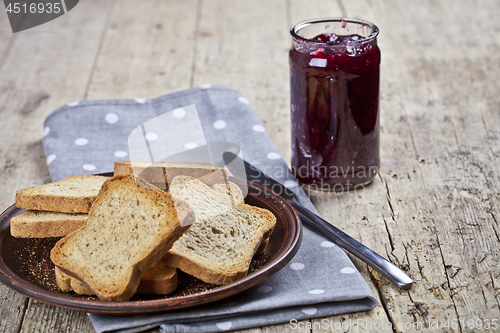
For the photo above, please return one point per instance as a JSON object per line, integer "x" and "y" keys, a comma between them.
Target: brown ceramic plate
{"x": 25, "y": 266}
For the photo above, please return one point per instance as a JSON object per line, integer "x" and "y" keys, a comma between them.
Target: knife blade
{"x": 379, "y": 263}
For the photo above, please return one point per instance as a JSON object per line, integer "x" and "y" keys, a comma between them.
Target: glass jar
{"x": 334, "y": 82}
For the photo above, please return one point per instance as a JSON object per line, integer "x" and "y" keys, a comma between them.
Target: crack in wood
{"x": 420, "y": 268}
{"x": 342, "y": 8}
{"x": 382, "y": 299}
{"x": 419, "y": 309}
{"x": 19, "y": 325}
{"x": 494, "y": 218}
{"x": 199, "y": 10}
{"x": 493, "y": 227}
{"x": 406, "y": 267}
{"x": 497, "y": 294}
{"x": 448, "y": 281}
{"x": 288, "y": 7}
{"x": 7, "y": 49}
{"x": 99, "y": 50}
{"x": 389, "y": 235}
{"x": 388, "y": 198}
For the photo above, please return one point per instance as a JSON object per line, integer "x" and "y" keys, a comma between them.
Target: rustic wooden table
{"x": 434, "y": 208}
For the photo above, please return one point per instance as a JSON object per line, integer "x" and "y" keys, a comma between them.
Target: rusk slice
{"x": 160, "y": 280}
{"x": 128, "y": 230}
{"x": 73, "y": 194}
{"x": 161, "y": 173}
{"x": 42, "y": 224}
{"x": 219, "y": 246}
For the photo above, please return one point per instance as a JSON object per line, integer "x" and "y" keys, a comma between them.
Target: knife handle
{"x": 380, "y": 264}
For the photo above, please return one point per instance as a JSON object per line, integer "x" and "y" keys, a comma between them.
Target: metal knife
{"x": 380, "y": 264}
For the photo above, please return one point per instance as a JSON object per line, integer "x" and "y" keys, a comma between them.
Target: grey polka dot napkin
{"x": 88, "y": 136}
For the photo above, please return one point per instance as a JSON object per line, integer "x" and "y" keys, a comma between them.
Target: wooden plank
{"x": 423, "y": 107}
{"x": 429, "y": 300}
{"x": 12, "y": 309}
{"x": 464, "y": 190}
{"x": 6, "y": 37}
{"x": 303, "y": 10}
{"x": 404, "y": 213}
{"x": 37, "y": 86}
{"x": 244, "y": 45}
{"x": 434, "y": 210}
{"x": 42, "y": 318}
{"x": 44, "y": 68}
{"x": 338, "y": 208}
{"x": 249, "y": 53}
{"x": 153, "y": 42}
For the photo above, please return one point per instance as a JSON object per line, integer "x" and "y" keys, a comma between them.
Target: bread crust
{"x": 68, "y": 256}
{"x": 42, "y": 224}
{"x": 51, "y": 197}
{"x": 159, "y": 280}
{"x": 165, "y": 172}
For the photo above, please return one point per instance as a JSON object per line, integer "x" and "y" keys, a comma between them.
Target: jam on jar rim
{"x": 299, "y": 26}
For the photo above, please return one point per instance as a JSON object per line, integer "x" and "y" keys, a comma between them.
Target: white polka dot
{"x": 309, "y": 311}
{"x": 120, "y": 153}
{"x": 151, "y": 136}
{"x": 179, "y": 113}
{"x": 264, "y": 289}
{"x": 347, "y": 270}
{"x": 316, "y": 291}
{"x": 297, "y": 266}
{"x": 140, "y": 100}
{"x": 327, "y": 244}
{"x": 205, "y": 86}
{"x": 290, "y": 184}
{"x": 46, "y": 131}
{"x": 190, "y": 145}
{"x": 258, "y": 128}
{"x": 224, "y": 325}
{"x": 81, "y": 142}
{"x": 51, "y": 158}
{"x": 273, "y": 156}
{"x": 219, "y": 124}
{"x": 111, "y": 118}
{"x": 243, "y": 100}
{"x": 88, "y": 167}
{"x": 74, "y": 103}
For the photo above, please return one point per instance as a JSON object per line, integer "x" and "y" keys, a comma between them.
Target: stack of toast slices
{"x": 128, "y": 234}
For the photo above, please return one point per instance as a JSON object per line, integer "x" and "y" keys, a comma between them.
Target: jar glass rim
{"x": 296, "y": 28}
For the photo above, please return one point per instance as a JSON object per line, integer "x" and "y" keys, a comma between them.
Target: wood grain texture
{"x": 340, "y": 210}
{"x": 248, "y": 53}
{"x": 147, "y": 50}
{"x": 42, "y": 318}
{"x": 43, "y": 69}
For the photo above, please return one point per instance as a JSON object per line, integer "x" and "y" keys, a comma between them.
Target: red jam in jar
{"x": 334, "y": 81}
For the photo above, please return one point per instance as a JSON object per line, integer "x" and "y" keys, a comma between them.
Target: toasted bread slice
{"x": 160, "y": 280}
{"x": 42, "y": 224}
{"x": 219, "y": 246}
{"x": 73, "y": 194}
{"x": 128, "y": 230}
{"x": 162, "y": 173}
